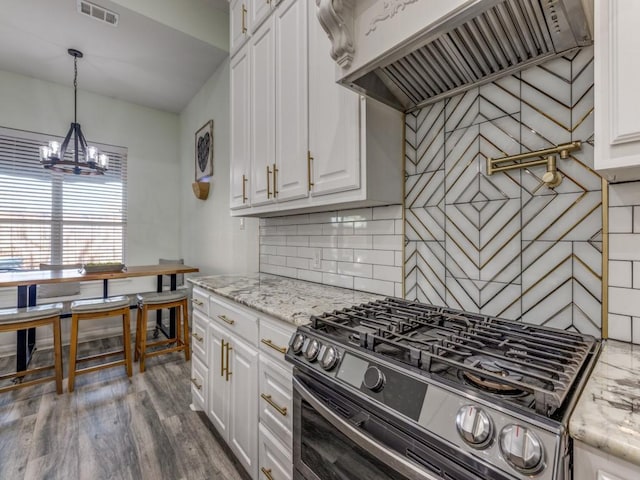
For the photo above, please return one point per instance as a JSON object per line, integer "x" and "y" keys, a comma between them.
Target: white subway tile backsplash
{"x": 296, "y": 262}
{"x": 624, "y": 246}
{"x": 399, "y": 291}
{"x": 620, "y": 327}
{"x": 636, "y": 218}
{"x": 620, "y": 220}
{"x": 383, "y": 272}
{"x": 339, "y": 254}
{"x": 624, "y": 301}
{"x": 620, "y": 274}
{"x": 390, "y": 211}
{"x": 355, "y": 269}
{"x": 344, "y": 281}
{"x": 323, "y": 241}
{"x": 310, "y": 276}
{"x": 379, "y": 257}
{"x": 376, "y": 286}
{"x": 624, "y": 194}
{"x": 353, "y": 246}
{"x": 355, "y": 241}
{"x": 635, "y": 330}
{"x": 387, "y": 242}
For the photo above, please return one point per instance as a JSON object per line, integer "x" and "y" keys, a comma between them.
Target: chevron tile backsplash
{"x": 506, "y": 244}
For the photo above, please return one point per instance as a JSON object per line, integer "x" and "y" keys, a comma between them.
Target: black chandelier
{"x": 87, "y": 160}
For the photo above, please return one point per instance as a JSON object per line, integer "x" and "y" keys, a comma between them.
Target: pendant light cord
{"x": 75, "y": 89}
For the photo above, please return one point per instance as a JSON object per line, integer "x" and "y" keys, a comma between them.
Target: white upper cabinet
{"x": 238, "y": 24}
{"x": 616, "y": 72}
{"x": 334, "y": 121}
{"x": 240, "y": 130}
{"x": 259, "y": 10}
{"x": 291, "y": 100}
{"x": 263, "y": 89}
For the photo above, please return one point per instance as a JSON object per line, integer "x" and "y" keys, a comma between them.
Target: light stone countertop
{"x": 607, "y": 416}
{"x": 288, "y": 299}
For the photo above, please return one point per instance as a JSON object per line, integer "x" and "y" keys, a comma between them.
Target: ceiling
{"x": 141, "y": 60}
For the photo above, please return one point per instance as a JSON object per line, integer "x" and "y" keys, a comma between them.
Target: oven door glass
{"x": 334, "y": 443}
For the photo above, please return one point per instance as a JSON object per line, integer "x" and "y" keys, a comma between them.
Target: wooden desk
{"x": 27, "y": 282}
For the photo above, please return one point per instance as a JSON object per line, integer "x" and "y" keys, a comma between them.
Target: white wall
{"x": 211, "y": 238}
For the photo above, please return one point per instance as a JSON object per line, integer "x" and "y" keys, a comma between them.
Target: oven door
{"x": 335, "y": 439}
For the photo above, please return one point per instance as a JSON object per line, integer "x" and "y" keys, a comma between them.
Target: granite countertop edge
{"x": 607, "y": 415}
{"x": 288, "y": 299}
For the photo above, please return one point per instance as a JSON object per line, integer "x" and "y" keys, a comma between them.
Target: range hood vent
{"x": 474, "y": 45}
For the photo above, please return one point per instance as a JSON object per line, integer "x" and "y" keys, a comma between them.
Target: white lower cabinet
{"x": 275, "y": 459}
{"x": 233, "y": 386}
{"x": 592, "y": 464}
{"x": 240, "y": 378}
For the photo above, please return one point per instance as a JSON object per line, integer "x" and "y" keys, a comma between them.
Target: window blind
{"x": 49, "y": 217}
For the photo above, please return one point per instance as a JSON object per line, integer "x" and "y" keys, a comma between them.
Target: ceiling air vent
{"x": 98, "y": 13}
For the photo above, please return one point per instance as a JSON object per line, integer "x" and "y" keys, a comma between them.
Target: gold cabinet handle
{"x": 275, "y": 182}
{"x": 269, "y": 343}
{"x": 222, "y": 342}
{"x": 268, "y": 178}
{"x": 244, "y": 188}
{"x": 267, "y": 473}
{"x": 199, "y": 338}
{"x": 309, "y": 160}
{"x": 281, "y": 410}
{"x": 226, "y": 319}
{"x": 244, "y": 14}
{"x": 197, "y": 302}
{"x": 195, "y": 382}
{"x": 228, "y": 372}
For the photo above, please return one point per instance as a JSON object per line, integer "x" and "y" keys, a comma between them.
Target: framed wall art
{"x": 204, "y": 151}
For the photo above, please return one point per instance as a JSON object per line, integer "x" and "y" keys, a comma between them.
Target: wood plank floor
{"x": 110, "y": 427}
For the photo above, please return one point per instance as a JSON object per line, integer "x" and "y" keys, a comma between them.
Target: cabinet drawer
{"x": 274, "y": 339}
{"x": 199, "y": 335}
{"x": 199, "y": 387}
{"x": 200, "y": 300}
{"x": 274, "y": 458}
{"x": 276, "y": 399}
{"x": 241, "y": 323}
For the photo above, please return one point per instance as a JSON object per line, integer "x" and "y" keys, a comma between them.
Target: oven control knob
{"x": 474, "y": 426}
{"x": 297, "y": 343}
{"x": 522, "y": 449}
{"x": 329, "y": 358}
{"x": 311, "y": 350}
{"x": 374, "y": 379}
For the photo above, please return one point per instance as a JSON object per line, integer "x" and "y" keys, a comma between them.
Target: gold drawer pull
{"x": 197, "y": 302}
{"x": 224, "y": 318}
{"x": 281, "y": 410}
{"x": 195, "y": 382}
{"x": 199, "y": 338}
{"x": 267, "y": 473}
{"x": 269, "y": 343}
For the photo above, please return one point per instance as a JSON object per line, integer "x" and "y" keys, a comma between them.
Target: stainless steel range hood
{"x": 475, "y": 43}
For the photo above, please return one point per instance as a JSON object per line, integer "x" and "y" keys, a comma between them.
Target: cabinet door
{"x": 219, "y": 388}
{"x": 258, "y": 11}
{"x": 240, "y": 133}
{"x": 238, "y": 24}
{"x": 275, "y": 458}
{"x": 199, "y": 384}
{"x": 291, "y": 99}
{"x": 263, "y": 90}
{"x": 243, "y": 416}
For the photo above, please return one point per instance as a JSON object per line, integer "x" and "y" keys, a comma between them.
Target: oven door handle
{"x": 377, "y": 450}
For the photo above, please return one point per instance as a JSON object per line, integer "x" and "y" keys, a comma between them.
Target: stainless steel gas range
{"x": 395, "y": 389}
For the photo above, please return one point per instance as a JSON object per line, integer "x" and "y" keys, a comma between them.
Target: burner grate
{"x": 539, "y": 360}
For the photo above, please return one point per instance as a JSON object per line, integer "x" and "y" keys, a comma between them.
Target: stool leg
{"x": 73, "y": 350}
{"x": 57, "y": 353}
{"x": 143, "y": 337}
{"x": 136, "y": 353}
{"x": 126, "y": 340}
{"x": 185, "y": 325}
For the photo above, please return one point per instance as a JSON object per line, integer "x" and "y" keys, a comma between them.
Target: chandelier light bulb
{"x": 103, "y": 161}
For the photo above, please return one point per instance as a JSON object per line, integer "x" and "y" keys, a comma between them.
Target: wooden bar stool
{"x": 15, "y": 319}
{"x": 96, "y": 309}
{"x": 155, "y": 301}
